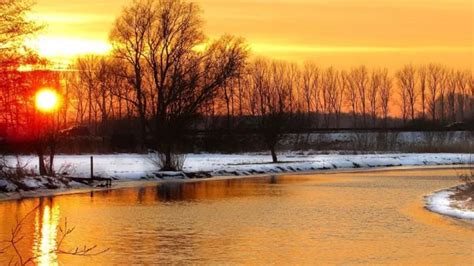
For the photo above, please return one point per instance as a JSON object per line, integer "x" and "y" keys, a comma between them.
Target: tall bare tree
{"x": 360, "y": 78}
{"x": 435, "y": 82}
{"x": 407, "y": 82}
{"x": 452, "y": 91}
{"x": 422, "y": 78}
{"x": 329, "y": 94}
{"x": 351, "y": 94}
{"x": 311, "y": 90}
{"x": 128, "y": 38}
{"x": 15, "y": 26}
{"x": 462, "y": 79}
{"x": 374, "y": 90}
{"x": 385, "y": 95}
{"x": 471, "y": 95}
{"x": 165, "y": 35}
{"x": 270, "y": 100}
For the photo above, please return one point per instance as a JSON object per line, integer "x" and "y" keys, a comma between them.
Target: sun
{"x": 47, "y": 100}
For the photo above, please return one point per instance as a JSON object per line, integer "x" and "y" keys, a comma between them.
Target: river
{"x": 374, "y": 217}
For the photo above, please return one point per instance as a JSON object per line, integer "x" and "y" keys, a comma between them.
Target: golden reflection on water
{"x": 45, "y": 235}
{"x": 339, "y": 218}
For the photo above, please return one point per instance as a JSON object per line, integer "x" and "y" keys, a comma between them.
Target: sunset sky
{"x": 337, "y": 32}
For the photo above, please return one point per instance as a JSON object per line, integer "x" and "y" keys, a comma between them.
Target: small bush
{"x": 468, "y": 177}
{"x": 14, "y": 173}
{"x": 159, "y": 159}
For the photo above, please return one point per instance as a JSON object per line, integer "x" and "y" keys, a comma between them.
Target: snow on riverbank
{"x": 442, "y": 202}
{"x": 137, "y": 166}
{"x": 130, "y": 167}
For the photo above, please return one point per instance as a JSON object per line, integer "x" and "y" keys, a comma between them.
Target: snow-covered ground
{"x": 130, "y": 167}
{"x": 137, "y": 166}
{"x": 443, "y": 203}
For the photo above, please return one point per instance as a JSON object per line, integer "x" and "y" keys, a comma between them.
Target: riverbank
{"x": 456, "y": 202}
{"x": 77, "y": 188}
{"x": 141, "y": 166}
{"x": 133, "y": 167}
{"x": 125, "y": 169}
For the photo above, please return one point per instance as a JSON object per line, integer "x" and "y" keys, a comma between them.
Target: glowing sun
{"x": 47, "y": 100}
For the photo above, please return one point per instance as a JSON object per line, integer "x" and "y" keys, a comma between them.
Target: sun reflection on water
{"x": 46, "y": 231}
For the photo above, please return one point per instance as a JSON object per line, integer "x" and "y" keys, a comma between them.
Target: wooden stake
{"x": 92, "y": 167}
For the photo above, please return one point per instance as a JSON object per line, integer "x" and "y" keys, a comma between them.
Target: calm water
{"x": 355, "y": 218}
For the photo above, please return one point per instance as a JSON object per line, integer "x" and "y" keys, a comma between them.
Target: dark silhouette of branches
{"x": 407, "y": 82}
{"x": 77, "y": 251}
{"x": 16, "y": 236}
{"x": 15, "y": 26}
{"x": 272, "y": 100}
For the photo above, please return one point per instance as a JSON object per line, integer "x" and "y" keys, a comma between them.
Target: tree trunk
{"x": 274, "y": 155}
{"x": 51, "y": 160}
{"x": 168, "y": 166}
{"x": 42, "y": 166}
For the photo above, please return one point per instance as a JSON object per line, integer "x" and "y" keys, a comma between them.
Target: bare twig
{"x": 83, "y": 251}
{"x": 16, "y": 237}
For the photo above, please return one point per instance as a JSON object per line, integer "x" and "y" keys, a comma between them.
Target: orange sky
{"x": 332, "y": 32}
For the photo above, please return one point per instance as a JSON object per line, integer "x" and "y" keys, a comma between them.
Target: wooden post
{"x": 92, "y": 167}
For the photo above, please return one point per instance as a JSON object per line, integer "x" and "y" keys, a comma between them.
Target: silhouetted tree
{"x": 374, "y": 90}
{"x": 15, "y": 26}
{"x": 407, "y": 82}
{"x": 435, "y": 82}
{"x": 128, "y": 38}
{"x": 310, "y": 90}
{"x": 422, "y": 78}
{"x": 360, "y": 79}
{"x": 162, "y": 36}
{"x": 270, "y": 100}
{"x": 385, "y": 95}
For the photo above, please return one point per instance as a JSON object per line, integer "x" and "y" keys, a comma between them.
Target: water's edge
{"x": 121, "y": 184}
{"x": 440, "y": 202}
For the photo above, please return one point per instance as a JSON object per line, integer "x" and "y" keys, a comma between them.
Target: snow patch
{"x": 441, "y": 202}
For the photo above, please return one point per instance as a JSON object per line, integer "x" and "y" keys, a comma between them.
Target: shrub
{"x": 159, "y": 159}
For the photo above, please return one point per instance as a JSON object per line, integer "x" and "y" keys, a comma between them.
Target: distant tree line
{"x": 165, "y": 78}
{"x": 271, "y": 97}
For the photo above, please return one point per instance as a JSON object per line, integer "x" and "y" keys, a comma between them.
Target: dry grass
{"x": 464, "y": 196}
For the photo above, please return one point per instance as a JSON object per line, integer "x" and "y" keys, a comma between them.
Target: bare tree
{"x": 329, "y": 93}
{"x": 351, "y": 94}
{"x": 462, "y": 79}
{"x": 435, "y": 81}
{"x": 442, "y": 95}
{"x": 332, "y": 93}
{"x": 338, "y": 99}
{"x": 452, "y": 90}
{"x": 360, "y": 78}
{"x": 471, "y": 91}
{"x": 407, "y": 82}
{"x": 164, "y": 34}
{"x": 375, "y": 84}
{"x": 311, "y": 89}
{"x": 404, "y": 104}
{"x": 270, "y": 100}
{"x": 385, "y": 95}
{"x": 87, "y": 71}
{"x": 128, "y": 38}
{"x": 15, "y": 26}
{"x": 422, "y": 78}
